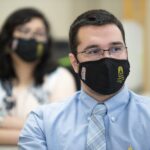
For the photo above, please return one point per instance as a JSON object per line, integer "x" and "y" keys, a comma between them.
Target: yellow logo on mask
{"x": 40, "y": 49}
{"x": 120, "y": 78}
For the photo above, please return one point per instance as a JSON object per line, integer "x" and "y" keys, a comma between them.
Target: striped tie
{"x": 96, "y": 129}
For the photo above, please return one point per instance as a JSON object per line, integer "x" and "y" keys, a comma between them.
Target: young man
{"x": 105, "y": 114}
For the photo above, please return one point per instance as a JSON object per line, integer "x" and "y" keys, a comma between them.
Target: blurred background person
{"x": 28, "y": 76}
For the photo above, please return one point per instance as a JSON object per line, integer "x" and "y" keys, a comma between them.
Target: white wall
{"x": 135, "y": 43}
{"x": 57, "y": 11}
{"x": 60, "y": 13}
{"x": 147, "y": 42}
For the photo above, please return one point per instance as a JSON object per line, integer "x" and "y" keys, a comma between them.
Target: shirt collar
{"x": 117, "y": 103}
{"x": 88, "y": 102}
{"x": 114, "y": 105}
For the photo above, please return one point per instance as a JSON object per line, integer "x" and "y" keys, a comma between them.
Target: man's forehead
{"x": 106, "y": 33}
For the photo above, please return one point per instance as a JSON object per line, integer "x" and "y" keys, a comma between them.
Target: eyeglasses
{"x": 36, "y": 34}
{"x": 95, "y": 52}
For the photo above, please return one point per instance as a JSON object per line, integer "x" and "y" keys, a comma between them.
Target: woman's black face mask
{"x": 104, "y": 76}
{"x": 29, "y": 50}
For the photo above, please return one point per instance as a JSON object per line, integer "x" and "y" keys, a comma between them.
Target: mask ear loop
{"x": 14, "y": 44}
{"x": 11, "y": 45}
{"x": 75, "y": 55}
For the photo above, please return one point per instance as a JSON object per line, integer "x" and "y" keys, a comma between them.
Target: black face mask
{"x": 104, "y": 76}
{"x": 29, "y": 50}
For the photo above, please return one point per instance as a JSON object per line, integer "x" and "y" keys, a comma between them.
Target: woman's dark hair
{"x": 95, "y": 17}
{"x": 17, "y": 18}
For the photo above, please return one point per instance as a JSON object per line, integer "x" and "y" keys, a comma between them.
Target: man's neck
{"x": 98, "y": 97}
{"x": 24, "y": 73}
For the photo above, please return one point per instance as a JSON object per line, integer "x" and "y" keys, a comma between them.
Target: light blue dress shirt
{"x": 63, "y": 126}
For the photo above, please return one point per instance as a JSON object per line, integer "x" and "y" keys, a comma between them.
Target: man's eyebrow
{"x": 90, "y": 46}
{"x": 111, "y": 44}
{"x": 117, "y": 43}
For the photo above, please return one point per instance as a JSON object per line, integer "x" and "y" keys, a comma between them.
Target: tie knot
{"x": 100, "y": 109}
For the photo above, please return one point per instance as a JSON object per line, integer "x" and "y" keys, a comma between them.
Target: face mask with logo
{"x": 104, "y": 76}
{"x": 29, "y": 50}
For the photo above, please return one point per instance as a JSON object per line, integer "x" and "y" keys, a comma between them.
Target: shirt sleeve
{"x": 32, "y": 136}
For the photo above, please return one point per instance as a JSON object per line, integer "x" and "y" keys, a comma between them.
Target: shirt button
{"x": 88, "y": 118}
{"x": 113, "y": 119}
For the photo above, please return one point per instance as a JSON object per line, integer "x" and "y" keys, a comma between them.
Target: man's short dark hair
{"x": 93, "y": 17}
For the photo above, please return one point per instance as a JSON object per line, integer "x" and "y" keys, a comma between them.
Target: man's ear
{"x": 74, "y": 62}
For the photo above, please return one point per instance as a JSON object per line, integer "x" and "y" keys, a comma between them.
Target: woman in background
{"x": 28, "y": 77}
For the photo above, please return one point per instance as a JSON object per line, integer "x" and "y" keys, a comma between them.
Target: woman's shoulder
{"x": 59, "y": 75}
{"x": 59, "y": 84}
{"x": 60, "y": 72}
